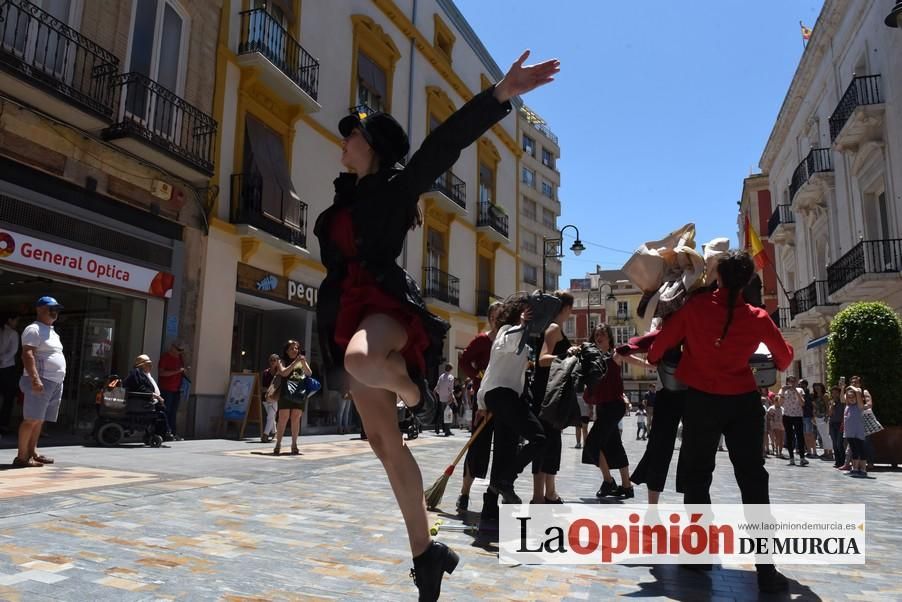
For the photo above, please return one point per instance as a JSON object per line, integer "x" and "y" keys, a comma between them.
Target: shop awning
{"x": 817, "y": 342}
{"x": 279, "y": 197}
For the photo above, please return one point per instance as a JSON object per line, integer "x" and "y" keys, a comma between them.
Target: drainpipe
{"x": 413, "y": 19}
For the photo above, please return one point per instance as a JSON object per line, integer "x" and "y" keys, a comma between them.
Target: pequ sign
{"x": 47, "y": 256}
{"x": 272, "y": 286}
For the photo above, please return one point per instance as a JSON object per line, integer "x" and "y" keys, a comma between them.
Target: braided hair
{"x": 735, "y": 269}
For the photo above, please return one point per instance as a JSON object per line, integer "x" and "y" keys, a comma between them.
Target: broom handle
{"x": 475, "y": 434}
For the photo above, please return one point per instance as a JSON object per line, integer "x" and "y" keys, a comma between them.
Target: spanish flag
{"x": 754, "y": 245}
{"x": 806, "y": 31}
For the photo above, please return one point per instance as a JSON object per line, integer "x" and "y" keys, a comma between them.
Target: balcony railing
{"x": 490, "y": 216}
{"x": 818, "y": 160}
{"x": 781, "y": 317}
{"x": 813, "y": 295}
{"x": 864, "y": 90}
{"x": 441, "y": 285}
{"x": 452, "y": 187}
{"x": 43, "y": 50}
{"x": 153, "y": 113}
{"x": 278, "y": 213}
{"x": 483, "y": 300}
{"x": 781, "y": 215}
{"x": 867, "y": 257}
{"x": 261, "y": 33}
{"x": 362, "y": 110}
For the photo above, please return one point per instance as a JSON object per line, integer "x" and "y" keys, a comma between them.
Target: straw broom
{"x": 434, "y": 494}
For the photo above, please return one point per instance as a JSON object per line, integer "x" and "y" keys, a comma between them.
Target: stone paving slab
{"x": 221, "y": 520}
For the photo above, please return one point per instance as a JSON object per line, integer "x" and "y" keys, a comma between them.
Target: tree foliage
{"x": 866, "y": 340}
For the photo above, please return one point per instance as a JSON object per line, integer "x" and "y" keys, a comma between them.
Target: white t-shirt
{"x": 506, "y": 368}
{"x": 9, "y": 346}
{"x": 445, "y": 387}
{"x": 156, "y": 387}
{"x": 51, "y": 363}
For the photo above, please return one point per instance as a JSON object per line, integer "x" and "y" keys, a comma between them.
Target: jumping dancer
{"x": 555, "y": 345}
{"x": 719, "y": 332}
{"x": 371, "y": 318}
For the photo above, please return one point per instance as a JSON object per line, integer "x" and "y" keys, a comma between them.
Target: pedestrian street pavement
{"x": 222, "y": 520}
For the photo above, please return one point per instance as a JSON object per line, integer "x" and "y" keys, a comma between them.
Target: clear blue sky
{"x": 661, "y": 108}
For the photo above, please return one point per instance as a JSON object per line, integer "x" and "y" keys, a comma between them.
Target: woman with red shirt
{"x": 720, "y": 332}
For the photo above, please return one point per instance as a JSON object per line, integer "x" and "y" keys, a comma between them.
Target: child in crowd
{"x": 640, "y": 424}
{"x": 853, "y": 431}
{"x": 775, "y": 426}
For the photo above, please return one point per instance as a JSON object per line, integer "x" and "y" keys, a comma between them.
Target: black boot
{"x": 463, "y": 503}
{"x": 770, "y": 580}
{"x": 426, "y": 398}
{"x": 429, "y": 568}
{"x": 607, "y": 488}
{"x": 507, "y": 493}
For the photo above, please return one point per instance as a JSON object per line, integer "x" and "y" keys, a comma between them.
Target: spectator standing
{"x": 793, "y": 402}
{"x": 444, "y": 390}
{"x": 853, "y": 430}
{"x": 42, "y": 381}
{"x": 775, "y": 426}
{"x": 835, "y": 409}
{"x": 293, "y": 366}
{"x": 344, "y": 413}
{"x": 649, "y": 398}
{"x": 809, "y": 429}
{"x": 270, "y": 385}
{"x": 9, "y": 379}
{"x": 171, "y": 372}
{"x": 641, "y": 429}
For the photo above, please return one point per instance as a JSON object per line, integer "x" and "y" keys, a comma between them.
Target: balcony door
{"x": 36, "y": 40}
{"x": 267, "y": 33}
{"x": 435, "y": 253}
{"x": 159, "y": 42}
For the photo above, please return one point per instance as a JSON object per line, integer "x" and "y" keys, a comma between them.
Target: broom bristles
{"x": 434, "y": 494}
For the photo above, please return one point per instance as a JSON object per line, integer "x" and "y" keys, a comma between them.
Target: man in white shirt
{"x": 42, "y": 382}
{"x": 444, "y": 390}
{"x": 9, "y": 379}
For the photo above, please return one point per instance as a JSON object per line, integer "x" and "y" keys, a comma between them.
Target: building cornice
{"x": 818, "y": 46}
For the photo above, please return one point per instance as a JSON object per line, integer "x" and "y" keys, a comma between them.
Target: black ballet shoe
{"x": 426, "y": 398}
{"x": 430, "y": 567}
{"x": 507, "y": 493}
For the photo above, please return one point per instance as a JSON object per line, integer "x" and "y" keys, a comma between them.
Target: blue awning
{"x": 817, "y": 342}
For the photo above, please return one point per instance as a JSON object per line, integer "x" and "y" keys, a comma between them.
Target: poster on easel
{"x": 242, "y": 405}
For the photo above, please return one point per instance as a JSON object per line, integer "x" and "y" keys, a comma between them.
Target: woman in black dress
{"x": 371, "y": 318}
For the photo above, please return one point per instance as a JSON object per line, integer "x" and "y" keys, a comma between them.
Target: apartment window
{"x": 529, "y": 177}
{"x": 486, "y": 184}
{"x": 548, "y": 218}
{"x": 444, "y": 39}
{"x": 623, "y": 310}
{"x": 529, "y": 208}
{"x": 547, "y": 188}
{"x": 570, "y": 326}
{"x": 622, "y": 334}
{"x": 624, "y": 370}
{"x": 551, "y": 281}
{"x": 529, "y": 146}
{"x": 547, "y": 158}
{"x": 372, "y": 83}
{"x": 530, "y": 242}
{"x": 530, "y": 274}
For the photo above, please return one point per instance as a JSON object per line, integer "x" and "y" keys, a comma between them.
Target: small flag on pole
{"x": 754, "y": 245}
{"x": 806, "y": 32}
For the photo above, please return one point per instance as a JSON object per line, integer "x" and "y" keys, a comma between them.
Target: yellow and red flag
{"x": 806, "y": 32}
{"x": 754, "y": 245}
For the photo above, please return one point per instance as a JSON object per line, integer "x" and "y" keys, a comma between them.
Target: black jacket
{"x": 570, "y": 375}
{"x": 382, "y": 206}
{"x": 137, "y": 381}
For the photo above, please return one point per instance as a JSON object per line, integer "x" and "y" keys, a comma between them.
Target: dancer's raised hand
{"x": 521, "y": 79}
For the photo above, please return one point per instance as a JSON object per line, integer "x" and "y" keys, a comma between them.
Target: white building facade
{"x": 834, "y": 163}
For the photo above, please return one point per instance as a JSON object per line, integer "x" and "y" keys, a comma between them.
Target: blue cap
{"x": 48, "y": 302}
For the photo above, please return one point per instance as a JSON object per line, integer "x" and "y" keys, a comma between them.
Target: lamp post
{"x": 610, "y": 297}
{"x": 554, "y": 247}
{"x": 894, "y": 18}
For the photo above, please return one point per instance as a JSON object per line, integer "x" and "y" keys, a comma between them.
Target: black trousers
{"x": 740, "y": 419}
{"x": 477, "y": 461}
{"x": 655, "y": 463}
{"x": 9, "y": 390}
{"x": 604, "y": 436}
{"x": 513, "y": 419}
{"x": 839, "y": 444}
{"x": 795, "y": 435}
{"x": 549, "y": 461}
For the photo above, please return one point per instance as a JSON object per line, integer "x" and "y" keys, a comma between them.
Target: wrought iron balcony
{"x": 261, "y": 33}
{"x": 492, "y": 217}
{"x": 279, "y": 213}
{"x": 483, "y": 300}
{"x": 864, "y": 90}
{"x": 819, "y": 160}
{"x": 452, "y": 187}
{"x": 157, "y": 115}
{"x": 781, "y": 317}
{"x": 867, "y": 257}
{"x": 46, "y": 52}
{"x": 781, "y": 215}
{"x": 441, "y": 285}
{"x": 813, "y": 295}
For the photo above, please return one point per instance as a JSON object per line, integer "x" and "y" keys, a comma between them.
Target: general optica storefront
{"x": 113, "y": 278}
{"x": 256, "y": 297}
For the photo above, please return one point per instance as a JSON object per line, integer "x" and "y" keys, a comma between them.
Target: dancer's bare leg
{"x": 374, "y": 359}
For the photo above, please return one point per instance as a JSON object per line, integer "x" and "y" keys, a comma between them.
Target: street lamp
{"x": 610, "y": 297}
{"x": 894, "y": 18}
{"x": 554, "y": 247}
